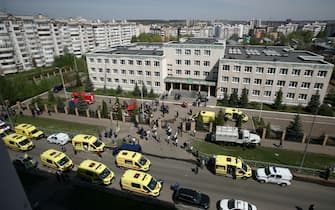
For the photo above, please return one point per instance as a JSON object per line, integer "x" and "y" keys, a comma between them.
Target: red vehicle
{"x": 88, "y": 97}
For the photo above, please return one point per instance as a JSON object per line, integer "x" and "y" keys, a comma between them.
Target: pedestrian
{"x": 74, "y": 151}
{"x": 311, "y": 207}
{"x": 99, "y": 154}
{"x": 177, "y": 114}
{"x": 327, "y": 173}
{"x": 62, "y": 177}
{"x": 63, "y": 148}
{"x": 196, "y": 170}
{"x": 33, "y": 112}
{"x": 49, "y": 112}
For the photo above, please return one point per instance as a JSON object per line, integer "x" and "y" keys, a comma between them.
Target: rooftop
{"x": 203, "y": 41}
{"x": 138, "y": 49}
{"x": 272, "y": 53}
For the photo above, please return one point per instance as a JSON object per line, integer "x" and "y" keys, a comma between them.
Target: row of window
{"x": 301, "y": 96}
{"x": 269, "y": 82}
{"x": 282, "y": 71}
{"x": 125, "y": 81}
{"x": 188, "y": 72}
{"x": 124, "y": 62}
{"x": 195, "y": 52}
{"x": 130, "y": 72}
{"x": 195, "y": 62}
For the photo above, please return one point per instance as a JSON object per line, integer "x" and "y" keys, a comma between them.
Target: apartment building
{"x": 27, "y": 42}
{"x": 126, "y": 66}
{"x": 264, "y": 70}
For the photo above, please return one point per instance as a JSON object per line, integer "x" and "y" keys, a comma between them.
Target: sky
{"x": 175, "y": 9}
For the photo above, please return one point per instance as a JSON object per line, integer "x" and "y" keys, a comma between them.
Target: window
{"x": 157, "y": 74}
{"x": 156, "y": 63}
{"x": 187, "y": 62}
{"x": 148, "y": 73}
{"x": 235, "y": 80}
{"x": 136, "y": 185}
{"x": 130, "y": 62}
{"x": 131, "y": 72}
{"x": 99, "y": 60}
{"x": 178, "y": 51}
{"x": 205, "y": 73}
{"x": 197, "y": 62}
{"x": 318, "y": 86}
{"x": 114, "y": 61}
{"x": 237, "y": 68}
{"x": 94, "y": 78}
{"x": 124, "y": 81}
{"x": 283, "y": 71}
{"x": 102, "y": 79}
{"x": 322, "y": 73}
{"x": 196, "y": 52}
{"x": 140, "y": 82}
{"x": 225, "y": 79}
{"x": 206, "y": 63}
{"x": 108, "y": 71}
{"x": 259, "y": 70}
{"x": 281, "y": 83}
{"x": 207, "y": 52}
{"x": 256, "y": 92}
{"x": 248, "y": 69}
{"x": 267, "y": 93}
{"x": 302, "y": 96}
{"x": 157, "y": 84}
{"x": 116, "y": 80}
{"x": 122, "y": 61}
{"x": 225, "y": 67}
{"x": 93, "y": 69}
{"x": 268, "y": 82}
{"x": 91, "y": 60}
{"x": 115, "y": 71}
{"x": 100, "y": 70}
{"x": 178, "y": 72}
{"x": 257, "y": 81}
{"x": 271, "y": 70}
{"x": 292, "y": 84}
{"x": 187, "y": 72}
{"x": 140, "y": 73}
{"x": 132, "y": 81}
{"x": 138, "y": 62}
{"x": 106, "y": 60}
{"x": 109, "y": 79}
{"x": 290, "y": 95}
{"x": 196, "y": 73}
{"x": 305, "y": 85}
{"x": 308, "y": 73}
{"x": 123, "y": 72}
{"x": 187, "y": 52}
{"x": 224, "y": 89}
{"x": 296, "y": 72}
{"x": 178, "y": 62}
{"x": 246, "y": 80}
{"x": 148, "y": 63}
{"x": 234, "y": 90}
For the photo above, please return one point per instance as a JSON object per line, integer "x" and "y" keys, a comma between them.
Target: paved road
{"x": 264, "y": 196}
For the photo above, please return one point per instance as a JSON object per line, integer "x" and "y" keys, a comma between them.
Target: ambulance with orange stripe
{"x": 140, "y": 182}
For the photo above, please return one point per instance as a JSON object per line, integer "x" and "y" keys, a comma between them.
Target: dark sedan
{"x": 191, "y": 197}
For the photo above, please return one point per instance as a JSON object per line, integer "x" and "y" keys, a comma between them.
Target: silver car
{"x": 58, "y": 138}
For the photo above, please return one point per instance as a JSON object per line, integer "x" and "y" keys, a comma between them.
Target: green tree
{"x": 151, "y": 93}
{"x": 60, "y": 104}
{"x": 81, "y": 105}
{"x": 51, "y": 97}
{"x": 326, "y": 110}
{"x": 278, "y": 100}
{"x": 89, "y": 85}
{"x": 144, "y": 90}
{"x": 199, "y": 123}
{"x": 233, "y": 100}
{"x": 220, "y": 118}
{"x": 314, "y": 103}
{"x": 294, "y": 130}
{"x": 225, "y": 100}
{"x": 136, "y": 91}
{"x": 104, "y": 111}
{"x": 119, "y": 90}
{"x": 133, "y": 39}
{"x": 244, "y": 98}
{"x": 78, "y": 80}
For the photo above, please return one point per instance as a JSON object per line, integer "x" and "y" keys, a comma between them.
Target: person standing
{"x": 311, "y": 207}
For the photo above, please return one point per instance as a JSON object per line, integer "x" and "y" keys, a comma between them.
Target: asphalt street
{"x": 264, "y": 196}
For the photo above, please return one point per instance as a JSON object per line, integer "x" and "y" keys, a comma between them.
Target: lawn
{"x": 50, "y": 126}
{"x": 264, "y": 154}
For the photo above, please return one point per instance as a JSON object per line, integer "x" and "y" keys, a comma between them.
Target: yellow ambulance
{"x": 207, "y": 116}
{"x": 230, "y": 166}
{"x": 95, "y": 172}
{"x": 233, "y": 114}
{"x": 132, "y": 160}
{"x": 29, "y": 131}
{"x": 57, "y": 160}
{"x": 83, "y": 142}
{"x": 140, "y": 182}
{"x": 18, "y": 142}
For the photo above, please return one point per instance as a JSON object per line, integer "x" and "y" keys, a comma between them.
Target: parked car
{"x": 232, "y": 204}
{"x": 57, "y": 88}
{"x": 190, "y": 197}
{"x": 25, "y": 162}
{"x": 58, "y": 138}
{"x": 277, "y": 175}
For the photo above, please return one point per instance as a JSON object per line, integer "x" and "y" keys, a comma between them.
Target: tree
{"x": 225, "y": 101}
{"x": 326, "y": 110}
{"x": 233, "y": 100}
{"x": 104, "y": 111}
{"x": 119, "y": 90}
{"x": 136, "y": 91}
{"x": 244, "y": 98}
{"x": 278, "y": 100}
{"x": 144, "y": 90}
{"x": 81, "y": 105}
{"x": 220, "y": 118}
{"x": 199, "y": 123}
{"x": 51, "y": 97}
{"x": 238, "y": 122}
{"x": 294, "y": 130}
{"x": 60, "y": 104}
{"x": 151, "y": 93}
{"x": 89, "y": 85}
{"x": 78, "y": 80}
{"x": 314, "y": 103}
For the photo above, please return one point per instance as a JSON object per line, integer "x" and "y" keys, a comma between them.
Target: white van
{"x": 58, "y": 138}
{"x": 277, "y": 175}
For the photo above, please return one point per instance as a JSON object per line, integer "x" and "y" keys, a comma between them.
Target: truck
{"x": 88, "y": 97}
{"x": 234, "y": 135}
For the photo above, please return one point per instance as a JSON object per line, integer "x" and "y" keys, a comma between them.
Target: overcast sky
{"x": 176, "y": 9}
